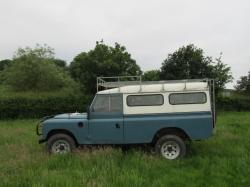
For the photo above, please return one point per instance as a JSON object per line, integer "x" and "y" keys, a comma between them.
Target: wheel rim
{"x": 170, "y": 150}
{"x": 60, "y": 147}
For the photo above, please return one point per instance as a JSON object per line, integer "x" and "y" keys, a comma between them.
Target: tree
{"x": 39, "y": 51}
{"x": 243, "y": 85}
{"x": 189, "y": 62}
{"x": 34, "y": 69}
{"x": 103, "y": 60}
{"x": 151, "y": 75}
{"x": 4, "y": 64}
{"x": 59, "y": 62}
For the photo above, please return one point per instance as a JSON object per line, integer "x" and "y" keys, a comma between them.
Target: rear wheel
{"x": 171, "y": 147}
{"x": 60, "y": 144}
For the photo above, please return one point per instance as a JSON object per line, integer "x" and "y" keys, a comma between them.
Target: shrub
{"x": 235, "y": 103}
{"x": 36, "y": 70}
{"x": 25, "y": 106}
{"x": 37, "y": 75}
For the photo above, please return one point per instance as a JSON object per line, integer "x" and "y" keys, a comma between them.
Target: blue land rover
{"x": 164, "y": 114}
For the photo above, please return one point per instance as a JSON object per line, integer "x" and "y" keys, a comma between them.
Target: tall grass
{"x": 222, "y": 160}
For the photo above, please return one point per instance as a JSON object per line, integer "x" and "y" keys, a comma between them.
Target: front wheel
{"x": 60, "y": 144}
{"x": 171, "y": 147}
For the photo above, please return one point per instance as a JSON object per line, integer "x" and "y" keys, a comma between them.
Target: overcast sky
{"x": 150, "y": 29}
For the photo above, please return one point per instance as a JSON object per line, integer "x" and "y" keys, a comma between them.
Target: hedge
{"x": 233, "y": 103}
{"x": 18, "y": 106}
{"x": 37, "y": 107}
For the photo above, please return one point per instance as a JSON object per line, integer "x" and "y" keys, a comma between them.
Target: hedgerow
{"x": 234, "y": 103}
{"x": 26, "y": 106}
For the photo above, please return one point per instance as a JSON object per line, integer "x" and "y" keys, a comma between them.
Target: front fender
{"x": 70, "y": 125}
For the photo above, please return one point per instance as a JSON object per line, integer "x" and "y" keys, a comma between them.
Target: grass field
{"x": 222, "y": 160}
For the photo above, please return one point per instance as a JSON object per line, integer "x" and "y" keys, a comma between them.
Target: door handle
{"x": 117, "y": 125}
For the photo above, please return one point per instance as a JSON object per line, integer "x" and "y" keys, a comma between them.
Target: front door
{"x": 106, "y": 119}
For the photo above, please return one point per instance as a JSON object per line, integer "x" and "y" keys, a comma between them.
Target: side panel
{"x": 71, "y": 125}
{"x": 106, "y": 128}
{"x": 142, "y": 128}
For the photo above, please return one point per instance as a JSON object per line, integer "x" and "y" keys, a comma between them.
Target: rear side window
{"x": 187, "y": 98}
{"x": 145, "y": 100}
{"x": 115, "y": 103}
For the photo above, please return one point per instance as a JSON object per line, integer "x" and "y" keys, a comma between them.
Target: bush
{"x": 27, "y": 74}
{"x": 39, "y": 106}
{"x": 36, "y": 70}
{"x": 238, "y": 103}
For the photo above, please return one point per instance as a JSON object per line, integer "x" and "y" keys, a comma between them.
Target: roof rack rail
{"x": 119, "y": 81}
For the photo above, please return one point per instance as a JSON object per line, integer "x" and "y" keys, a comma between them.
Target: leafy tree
{"x": 44, "y": 52}
{"x": 151, "y": 75}
{"x": 33, "y": 69}
{"x": 4, "y": 64}
{"x": 59, "y": 62}
{"x": 103, "y": 60}
{"x": 243, "y": 85}
{"x": 221, "y": 73}
{"x": 189, "y": 62}
{"x": 39, "y": 51}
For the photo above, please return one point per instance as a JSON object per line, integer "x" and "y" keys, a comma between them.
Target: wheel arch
{"x": 61, "y": 131}
{"x": 170, "y": 130}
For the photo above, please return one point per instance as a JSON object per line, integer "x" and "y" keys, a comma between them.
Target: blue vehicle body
{"x": 164, "y": 114}
{"x": 116, "y": 128}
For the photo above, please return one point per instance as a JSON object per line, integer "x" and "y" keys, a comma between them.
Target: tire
{"x": 60, "y": 144}
{"x": 170, "y": 147}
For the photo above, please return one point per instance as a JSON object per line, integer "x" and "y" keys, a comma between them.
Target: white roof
{"x": 154, "y": 88}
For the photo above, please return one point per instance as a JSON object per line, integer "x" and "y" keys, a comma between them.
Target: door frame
{"x": 109, "y": 117}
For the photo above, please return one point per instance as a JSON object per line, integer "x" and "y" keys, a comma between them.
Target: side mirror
{"x": 88, "y": 111}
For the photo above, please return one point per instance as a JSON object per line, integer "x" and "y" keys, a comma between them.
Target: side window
{"x": 115, "y": 103}
{"x": 107, "y": 103}
{"x": 101, "y": 103}
{"x": 187, "y": 98}
{"x": 145, "y": 100}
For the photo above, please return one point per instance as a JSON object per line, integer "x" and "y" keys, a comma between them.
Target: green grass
{"x": 222, "y": 160}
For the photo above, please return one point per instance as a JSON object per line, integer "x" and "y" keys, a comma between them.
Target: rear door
{"x": 106, "y": 119}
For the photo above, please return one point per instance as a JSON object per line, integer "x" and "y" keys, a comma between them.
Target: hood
{"x": 71, "y": 116}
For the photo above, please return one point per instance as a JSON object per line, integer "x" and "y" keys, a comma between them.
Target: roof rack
{"x": 119, "y": 81}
